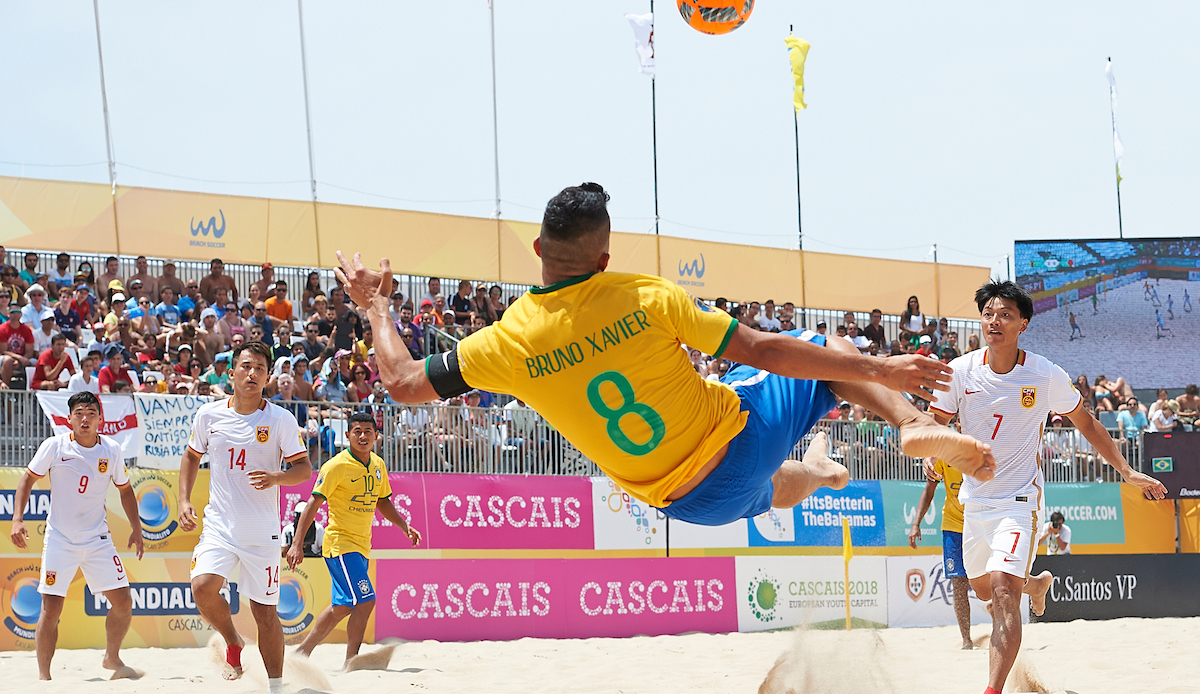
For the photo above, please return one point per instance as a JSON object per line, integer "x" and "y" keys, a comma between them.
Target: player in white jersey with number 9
{"x": 1002, "y": 396}
{"x": 81, "y": 464}
{"x": 245, "y": 438}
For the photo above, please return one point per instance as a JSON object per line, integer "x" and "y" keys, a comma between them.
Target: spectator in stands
{"x": 397, "y": 304}
{"x": 768, "y": 321}
{"x": 341, "y": 306}
{"x": 460, "y": 303}
{"x": 268, "y": 278}
{"x": 217, "y": 376}
{"x": 114, "y": 371}
{"x": 480, "y": 306}
{"x": 1162, "y": 399}
{"x": 440, "y": 310}
{"x": 312, "y": 343}
{"x": 409, "y": 336}
{"x": 148, "y": 284}
{"x": 752, "y": 314}
{"x": 167, "y": 311}
{"x": 283, "y": 341}
{"x": 912, "y": 321}
{"x": 841, "y": 330}
{"x": 1164, "y": 418}
{"x": 231, "y": 322}
{"x": 168, "y": 279}
{"x": 11, "y": 286}
{"x": 190, "y": 300}
{"x": 61, "y": 276}
{"x": 359, "y": 389}
{"x": 30, "y": 276}
{"x": 263, "y": 322}
{"x": 1117, "y": 391}
{"x": 312, "y": 289}
{"x": 1085, "y": 390}
{"x": 1189, "y": 407}
{"x": 67, "y": 318}
{"x": 83, "y": 303}
{"x": 215, "y": 278}
{"x": 16, "y": 341}
{"x": 255, "y": 334}
{"x": 143, "y": 320}
{"x": 36, "y": 309}
{"x": 874, "y": 331}
{"x": 925, "y": 347}
{"x": 822, "y": 327}
{"x": 83, "y": 380}
{"x": 333, "y": 385}
{"x": 785, "y": 322}
{"x": 949, "y": 349}
{"x": 435, "y": 288}
{"x": 862, "y": 343}
{"x": 320, "y": 309}
{"x": 494, "y": 301}
{"x": 1132, "y": 421}
{"x": 43, "y": 334}
{"x": 112, "y": 268}
{"x": 972, "y": 343}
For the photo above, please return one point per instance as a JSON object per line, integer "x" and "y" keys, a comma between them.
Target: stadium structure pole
{"x": 654, "y": 150}
{"x": 312, "y": 172}
{"x": 799, "y": 216}
{"x": 495, "y": 113}
{"x": 112, "y": 167}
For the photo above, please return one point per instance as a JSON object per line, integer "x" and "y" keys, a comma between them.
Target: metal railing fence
{"x": 517, "y": 441}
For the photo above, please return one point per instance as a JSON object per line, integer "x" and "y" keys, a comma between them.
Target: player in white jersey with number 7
{"x": 246, "y": 438}
{"x": 1002, "y": 396}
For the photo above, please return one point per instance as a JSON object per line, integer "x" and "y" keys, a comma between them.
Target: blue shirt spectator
{"x": 1132, "y": 420}
{"x": 168, "y": 313}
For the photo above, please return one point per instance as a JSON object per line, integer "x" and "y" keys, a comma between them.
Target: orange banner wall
{"x": 56, "y": 215}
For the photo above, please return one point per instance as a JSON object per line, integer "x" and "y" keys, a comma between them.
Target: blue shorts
{"x": 952, "y": 554}
{"x": 781, "y": 411}
{"x": 350, "y": 583}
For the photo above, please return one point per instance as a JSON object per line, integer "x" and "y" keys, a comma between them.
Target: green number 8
{"x": 629, "y": 406}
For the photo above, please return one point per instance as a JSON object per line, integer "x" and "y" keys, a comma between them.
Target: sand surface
{"x": 1125, "y": 655}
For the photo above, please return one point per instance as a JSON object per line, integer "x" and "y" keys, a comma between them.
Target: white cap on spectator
{"x": 925, "y": 339}
{"x": 210, "y": 311}
{"x": 118, "y": 297}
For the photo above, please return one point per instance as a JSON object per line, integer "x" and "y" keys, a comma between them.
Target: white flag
{"x": 1118, "y": 150}
{"x": 643, "y": 35}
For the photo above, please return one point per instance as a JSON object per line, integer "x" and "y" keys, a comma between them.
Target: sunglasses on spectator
{"x": 407, "y": 336}
{"x": 231, "y": 307}
{"x": 144, "y": 302}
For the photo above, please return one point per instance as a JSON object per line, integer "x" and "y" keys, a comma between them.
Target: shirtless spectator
{"x": 217, "y": 278}
{"x": 214, "y": 340}
{"x": 168, "y": 279}
{"x": 149, "y": 283}
{"x": 268, "y": 279}
{"x": 1189, "y": 407}
{"x": 112, "y": 268}
{"x": 1114, "y": 393}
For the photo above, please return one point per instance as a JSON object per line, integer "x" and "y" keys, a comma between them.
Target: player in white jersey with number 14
{"x": 1002, "y": 396}
{"x": 246, "y": 438}
{"x": 81, "y": 464}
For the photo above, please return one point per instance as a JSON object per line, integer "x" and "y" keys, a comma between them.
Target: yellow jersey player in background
{"x": 354, "y": 483}
{"x": 598, "y": 355}
{"x": 952, "y": 527}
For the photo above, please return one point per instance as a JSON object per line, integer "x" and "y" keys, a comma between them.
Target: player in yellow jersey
{"x": 952, "y": 527}
{"x": 598, "y": 355}
{"x": 354, "y": 483}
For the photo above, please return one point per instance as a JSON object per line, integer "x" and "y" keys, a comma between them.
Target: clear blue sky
{"x": 929, "y": 122}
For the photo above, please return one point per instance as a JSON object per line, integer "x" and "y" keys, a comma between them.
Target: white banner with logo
{"x": 920, "y": 595}
{"x": 781, "y": 592}
{"x": 164, "y": 426}
{"x": 120, "y": 419}
{"x": 620, "y": 521}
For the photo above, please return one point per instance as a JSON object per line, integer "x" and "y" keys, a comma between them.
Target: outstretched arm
{"x": 786, "y": 356}
{"x": 914, "y": 533}
{"x": 1097, "y": 435}
{"x": 404, "y": 377}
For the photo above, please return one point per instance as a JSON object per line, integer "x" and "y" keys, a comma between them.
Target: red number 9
{"x": 83, "y": 482}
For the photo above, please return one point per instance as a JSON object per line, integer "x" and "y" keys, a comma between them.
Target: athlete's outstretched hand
{"x": 187, "y": 515}
{"x": 18, "y": 534}
{"x": 1152, "y": 488}
{"x": 135, "y": 538}
{"x": 916, "y": 374}
{"x": 295, "y": 555}
{"x": 363, "y": 284}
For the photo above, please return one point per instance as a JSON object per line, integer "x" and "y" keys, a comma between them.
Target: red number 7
{"x": 1016, "y": 540}
{"x": 999, "y": 418}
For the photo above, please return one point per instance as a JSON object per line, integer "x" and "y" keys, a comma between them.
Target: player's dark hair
{"x": 576, "y": 211}
{"x": 83, "y": 398}
{"x": 259, "y": 348}
{"x": 363, "y": 418}
{"x": 1005, "y": 290}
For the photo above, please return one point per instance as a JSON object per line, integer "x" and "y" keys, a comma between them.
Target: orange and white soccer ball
{"x": 715, "y": 16}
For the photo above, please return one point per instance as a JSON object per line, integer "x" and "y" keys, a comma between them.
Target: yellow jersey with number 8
{"x": 599, "y": 356}
{"x": 351, "y": 489}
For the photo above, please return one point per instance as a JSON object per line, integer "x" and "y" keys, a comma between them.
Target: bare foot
{"x": 1036, "y": 588}
{"x": 127, "y": 673}
{"x": 112, "y": 662}
{"x": 925, "y": 438}
{"x": 832, "y": 474}
{"x": 227, "y": 656}
{"x": 968, "y": 645}
{"x": 375, "y": 660}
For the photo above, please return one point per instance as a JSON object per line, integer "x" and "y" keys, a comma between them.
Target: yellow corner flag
{"x": 798, "y": 52}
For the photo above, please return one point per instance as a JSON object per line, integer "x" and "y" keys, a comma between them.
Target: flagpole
{"x": 1116, "y": 164}
{"x": 495, "y": 113}
{"x": 112, "y": 167}
{"x": 799, "y": 216}
{"x": 312, "y": 172}
{"x": 654, "y": 147}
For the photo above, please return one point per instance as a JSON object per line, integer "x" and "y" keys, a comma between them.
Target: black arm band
{"x": 445, "y": 374}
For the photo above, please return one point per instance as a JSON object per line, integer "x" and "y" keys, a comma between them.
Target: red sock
{"x": 233, "y": 656}
{"x": 991, "y": 690}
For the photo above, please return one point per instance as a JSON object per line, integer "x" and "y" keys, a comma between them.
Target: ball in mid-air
{"x": 715, "y": 16}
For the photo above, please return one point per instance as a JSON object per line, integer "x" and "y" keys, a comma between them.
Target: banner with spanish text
{"x": 164, "y": 427}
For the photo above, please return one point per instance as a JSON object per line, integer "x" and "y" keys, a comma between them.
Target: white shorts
{"x": 998, "y": 539}
{"x": 102, "y": 568}
{"x": 259, "y": 578}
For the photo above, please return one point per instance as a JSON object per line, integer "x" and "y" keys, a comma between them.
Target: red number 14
{"x": 241, "y": 458}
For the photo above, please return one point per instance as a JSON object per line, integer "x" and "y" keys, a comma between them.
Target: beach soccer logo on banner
{"x": 296, "y": 597}
{"x": 763, "y": 594}
{"x": 156, "y": 507}
{"x": 21, "y": 606}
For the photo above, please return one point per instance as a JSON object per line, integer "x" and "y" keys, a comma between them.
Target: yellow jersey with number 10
{"x": 351, "y": 489}
{"x": 952, "y": 510}
{"x": 599, "y": 356}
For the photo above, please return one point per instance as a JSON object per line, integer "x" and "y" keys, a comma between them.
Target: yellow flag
{"x": 798, "y": 52}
